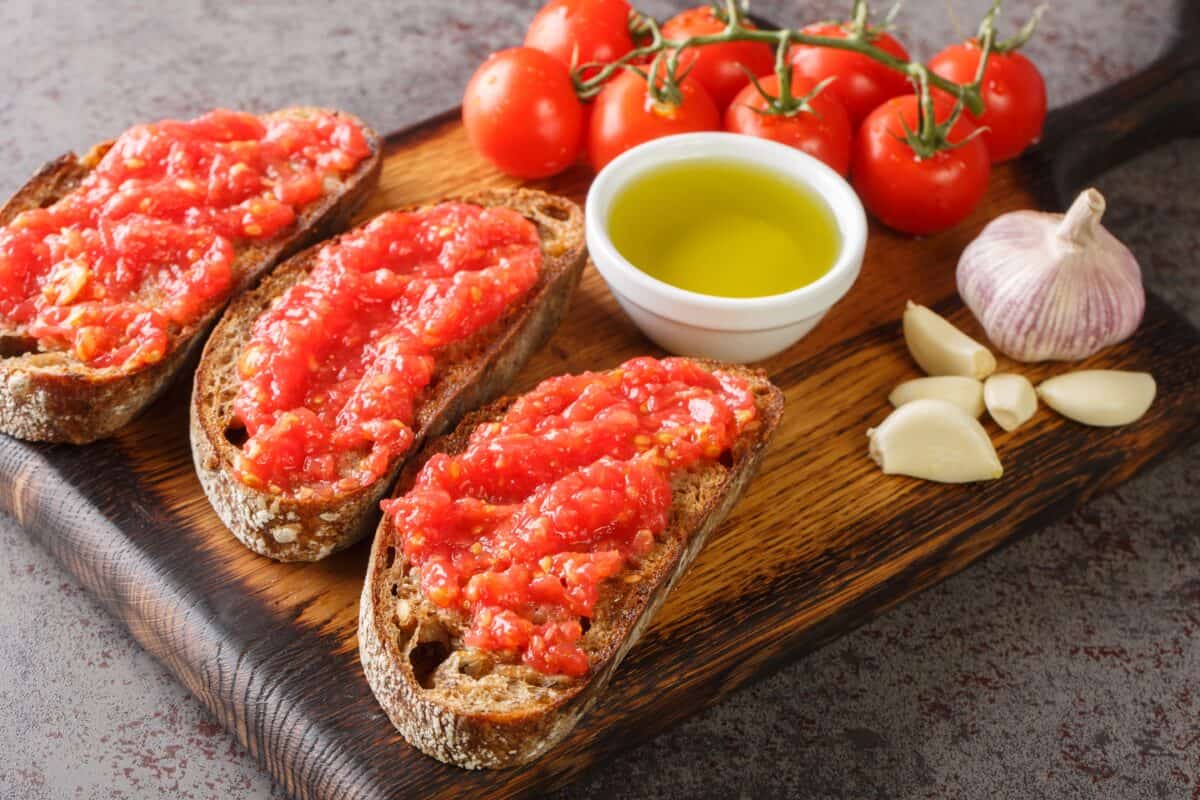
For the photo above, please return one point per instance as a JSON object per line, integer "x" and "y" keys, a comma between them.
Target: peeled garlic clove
{"x": 936, "y": 441}
{"x": 966, "y": 393}
{"x": 1010, "y": 400}
{"x": 1101, "y": 397}
{"x": 1052, "y": 286}
{"x": 939, "y": 348}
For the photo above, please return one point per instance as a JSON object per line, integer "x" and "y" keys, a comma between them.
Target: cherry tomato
{"x": 717, "y": 67}
{"x": 1013, "y": 92}
{"x": 823, "y": 132}
{"x": 862, "y": 83}
{"x": 521, "y": 113}
{"x": 582, "y": 31}
{"x": 912, "y": 194}
{"x": 626, "y": 115}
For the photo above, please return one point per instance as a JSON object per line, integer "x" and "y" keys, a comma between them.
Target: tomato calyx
{"x": 663, "y": 94}
{"x": 932, "y": 137}
{"x": 786, "y": 104}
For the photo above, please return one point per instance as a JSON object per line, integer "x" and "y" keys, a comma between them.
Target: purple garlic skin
{"x": 1052, "y": 287}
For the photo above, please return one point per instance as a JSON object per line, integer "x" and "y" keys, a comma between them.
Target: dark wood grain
{"x": 820, "y": 544}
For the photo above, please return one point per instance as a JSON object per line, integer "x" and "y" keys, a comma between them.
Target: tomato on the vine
{"x": 626, "y": 114}
{"x": 860, "y": 82}
{"x": 1014, "y": 95}
{"x": 913, "y": 194}
{"x": 580, "y": 32}
{"x": 521, "y": 113}
{"x": 822, "y": 129}
{"x": 719, "y": 68}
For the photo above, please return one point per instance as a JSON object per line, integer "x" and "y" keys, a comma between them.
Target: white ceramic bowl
{"x": 725, "y": 328}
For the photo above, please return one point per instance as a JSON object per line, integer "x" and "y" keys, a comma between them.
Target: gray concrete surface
{"x": 1065, "y": 666}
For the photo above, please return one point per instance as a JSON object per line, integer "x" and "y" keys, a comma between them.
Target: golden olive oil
{"x": 725, "y": 228}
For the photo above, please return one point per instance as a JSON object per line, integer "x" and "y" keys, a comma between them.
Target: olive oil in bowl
{"x": 724, "y": 227}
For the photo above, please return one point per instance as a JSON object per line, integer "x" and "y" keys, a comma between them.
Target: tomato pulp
{"x": 332, "y": 373}
{"x": 573, "y": 483}
{"x": 146, "y": 245}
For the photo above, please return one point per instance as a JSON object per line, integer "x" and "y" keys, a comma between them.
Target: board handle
{"x": 1152, "y": 108}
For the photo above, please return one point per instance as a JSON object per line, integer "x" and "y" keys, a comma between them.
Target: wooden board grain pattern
{"x": 820, "y": 543}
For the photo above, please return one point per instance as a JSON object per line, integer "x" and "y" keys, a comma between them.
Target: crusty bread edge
{"x": 499, "y": 740}
{"x": 286, "y": 529}
{"x": 40, "y": 402}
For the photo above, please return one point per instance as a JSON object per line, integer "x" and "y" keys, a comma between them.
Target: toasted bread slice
{"x": 51, "y": 396}
{"x": 467, "y": 375}
{"x": 461, "y": 706}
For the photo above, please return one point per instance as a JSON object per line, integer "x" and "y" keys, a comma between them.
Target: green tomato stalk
{"x": 930, "y": 136}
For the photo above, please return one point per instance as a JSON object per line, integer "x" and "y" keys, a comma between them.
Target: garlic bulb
{"x": 1052, "y": 286}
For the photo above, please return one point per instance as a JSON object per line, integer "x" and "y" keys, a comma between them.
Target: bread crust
{"x": 481, "y": 721}
{"x": 288, "y": 529}
{"x": 51, "y": 397}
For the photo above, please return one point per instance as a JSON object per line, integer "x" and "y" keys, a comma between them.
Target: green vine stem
{"x": 1023, "y": 35}
{"x": 968, "y": 96}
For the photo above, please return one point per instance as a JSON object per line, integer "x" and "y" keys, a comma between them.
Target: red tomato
{"x": 626, "y": 115}
{"x": 862, "y": 83}
{"x": 582, "y": 31}
{"x": 823, "y": 132}
{"x": 718, "y": 67}
{"x": 1013, "y": 92}
{"x": 912, "y": 194}
{"x": 521, "y": 113}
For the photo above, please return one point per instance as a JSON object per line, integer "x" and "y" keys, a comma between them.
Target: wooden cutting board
{"x": 820, "y": 544}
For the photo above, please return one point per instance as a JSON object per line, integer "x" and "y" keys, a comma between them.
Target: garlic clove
{"x": 1101, "y": 397}
{"x": 966, "y": 393}
{"x": 1052, "y": 286}
{"x": 936, "y": 441}
{"x": 939, "y": 348}
{"x": 1010, "y": 400}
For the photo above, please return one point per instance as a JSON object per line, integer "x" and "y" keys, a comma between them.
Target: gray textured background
{"x": 1066, "y": 666}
